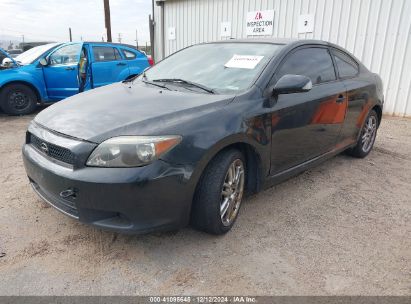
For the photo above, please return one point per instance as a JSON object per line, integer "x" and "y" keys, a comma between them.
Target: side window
{"x": 128, "y": 54}
{"x": 105, "y": 53}
{"x": 68, "y": 54}
{"x": 347, "y": 67}
{"x": 315, "y": 63}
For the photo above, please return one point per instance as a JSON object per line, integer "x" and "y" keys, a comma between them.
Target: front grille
{"x": 59, "y": 153}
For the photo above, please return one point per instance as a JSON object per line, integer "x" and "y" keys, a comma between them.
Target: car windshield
{"x": 31, "y": 55}
{"x": 221, "y": 67}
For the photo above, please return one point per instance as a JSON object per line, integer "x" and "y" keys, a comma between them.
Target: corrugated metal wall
{"x": 375, "y": 31}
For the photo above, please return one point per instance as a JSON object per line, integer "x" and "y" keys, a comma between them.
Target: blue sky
{"x": 50, "y": 19}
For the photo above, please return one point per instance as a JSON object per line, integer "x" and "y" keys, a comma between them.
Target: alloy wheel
{"x": 369, "y": 132}
{"x": 232, "y": 192}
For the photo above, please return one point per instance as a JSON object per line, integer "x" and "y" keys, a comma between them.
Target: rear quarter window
{"x": 129, "y": 55}
{"x": 346, "y": 66}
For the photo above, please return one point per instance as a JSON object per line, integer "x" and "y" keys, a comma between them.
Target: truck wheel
{"x": 18, "y": 99}
{"x": 219, "y": 193}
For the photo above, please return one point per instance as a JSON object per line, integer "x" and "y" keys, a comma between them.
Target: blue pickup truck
{"x": 52, "y": 72}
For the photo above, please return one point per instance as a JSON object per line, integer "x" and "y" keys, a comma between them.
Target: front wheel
{"x": 367, "y": 137}
{"x": 18, "y": 99}
{"x": 219, "y": 193}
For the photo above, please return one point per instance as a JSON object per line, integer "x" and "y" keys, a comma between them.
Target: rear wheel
{"x": 18, "y": 99}
{"x": 219, "y": 193}
{"x": 367, "y": 137}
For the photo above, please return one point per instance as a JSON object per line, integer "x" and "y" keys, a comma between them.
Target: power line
{"x": 30, "y": 33}
{"x": 30, "y": 36}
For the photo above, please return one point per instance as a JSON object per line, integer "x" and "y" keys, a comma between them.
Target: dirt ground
{"x": 342, "y": 228}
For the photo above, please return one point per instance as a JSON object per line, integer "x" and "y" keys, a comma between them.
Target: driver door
{"x": 307, "y": 125}
{"x": 61, "y": 72}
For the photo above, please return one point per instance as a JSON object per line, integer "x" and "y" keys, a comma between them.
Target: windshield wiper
{"x": 156, "y": 84}
{"x": 193, "y": 84}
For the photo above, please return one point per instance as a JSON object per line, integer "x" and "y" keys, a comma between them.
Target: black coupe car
{"x": 190, "y": 137}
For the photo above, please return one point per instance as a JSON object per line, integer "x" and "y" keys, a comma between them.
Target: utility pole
{"x": 151, "y": 28}
{"x": 136, "y": 39}
{"x": 107, "y": 19}
{"x": 22, "y": 45}
{"x": 119, "y": 37}
{"x": 71, "y": 38}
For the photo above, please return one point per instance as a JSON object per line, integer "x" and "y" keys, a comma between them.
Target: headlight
{"x": 131, "y": 151}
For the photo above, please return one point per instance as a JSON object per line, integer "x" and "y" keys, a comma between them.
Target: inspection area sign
{"x": 260, "y": 23}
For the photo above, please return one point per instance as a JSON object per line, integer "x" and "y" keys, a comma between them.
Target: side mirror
{"x": 292, "y": 84}
{"x": 7, "y": 62}
{"x": 43, "y": 61}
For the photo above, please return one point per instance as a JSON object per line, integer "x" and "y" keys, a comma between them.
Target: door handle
{"x": 340, "y": 99}
{"x": 70, "y": 69}
{"x": 121, "y": 63}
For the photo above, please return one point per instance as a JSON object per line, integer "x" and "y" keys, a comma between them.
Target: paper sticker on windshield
{"x": 243, "y": 62}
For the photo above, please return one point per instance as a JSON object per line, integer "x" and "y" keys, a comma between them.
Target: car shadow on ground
{"x": 271, "y": 198}
{"x": 325, "y": 231}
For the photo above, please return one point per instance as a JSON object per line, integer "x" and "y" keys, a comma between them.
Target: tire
{"x": 366, "y": 140}
{"x": 18, "y": 99}
{"x": 210, "y": 200}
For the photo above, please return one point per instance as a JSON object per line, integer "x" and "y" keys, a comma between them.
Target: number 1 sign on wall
{"x": 225, "y": 29}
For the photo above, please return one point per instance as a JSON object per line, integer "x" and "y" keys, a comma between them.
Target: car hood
{"x": 126, "y": 109}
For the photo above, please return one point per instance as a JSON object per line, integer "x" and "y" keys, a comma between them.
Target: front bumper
{"x": 134, "y": 200}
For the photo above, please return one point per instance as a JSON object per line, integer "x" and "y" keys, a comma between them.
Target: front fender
{"x": 29, "y": 75}
{"x": 232, "y": 140}
{"x": 205, "y": 135}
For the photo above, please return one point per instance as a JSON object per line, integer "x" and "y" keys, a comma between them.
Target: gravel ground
{"x": 342, "y": 228}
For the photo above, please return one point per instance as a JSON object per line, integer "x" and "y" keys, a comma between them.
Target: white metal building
{"x": 378, "y": 32}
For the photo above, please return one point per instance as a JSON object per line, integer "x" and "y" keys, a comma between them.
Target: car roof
{"x": 260, "y": 40}
{"x": 290, "y": 43}
{"x": 284, "y": 41}
{"x": 112, "y": 43}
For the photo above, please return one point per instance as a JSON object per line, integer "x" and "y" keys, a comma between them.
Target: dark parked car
{"x": 185, "y": 141}
{"x": 15, "y": 52}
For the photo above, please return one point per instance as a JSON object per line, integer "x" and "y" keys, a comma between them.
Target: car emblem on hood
{"x": 44, "y": 147}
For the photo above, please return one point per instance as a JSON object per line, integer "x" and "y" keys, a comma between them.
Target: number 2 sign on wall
{"x": 306, "y": 24}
